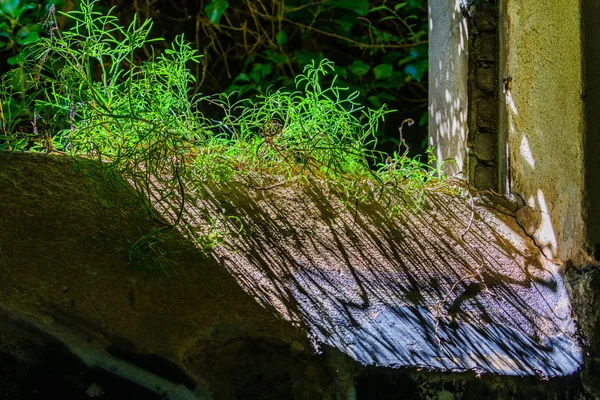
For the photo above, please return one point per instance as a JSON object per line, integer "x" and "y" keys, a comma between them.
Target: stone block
{"x": 487, "y": 114}
{"x": 485, "y": 47}
{"x": 584, "y": 291}
{"x": 485, "y": 146}
{"x": 485, "y": 79}
{"x": 486, "y": 18}
{"x": 529, "y": 219}
{"x": 485, "y": 177}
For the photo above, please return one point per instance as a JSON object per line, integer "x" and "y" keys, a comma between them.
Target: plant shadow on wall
{"x": 319, "y": 227}
{"x": 420, "y": 289}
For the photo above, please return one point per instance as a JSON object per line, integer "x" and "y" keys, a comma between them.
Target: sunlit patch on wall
{"x": 510, "y": 102}
{"x": 546, "y": 235}
{"x": 526, "y": 152}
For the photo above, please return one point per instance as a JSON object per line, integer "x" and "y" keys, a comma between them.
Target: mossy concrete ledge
{"x": 310, "y": 299}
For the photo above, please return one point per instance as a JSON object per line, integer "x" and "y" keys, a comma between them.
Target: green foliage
{"x": 215, "y": 9}
{"x": 378, "y": 46}
{"x": 379, "y": 49}
{"x": 387, "y": 35}
{"x": 19, "y": 25}
{"x": 92, "y": 98}
{"x": 314, "y": 129}
{"x": 151, "y": 253}
{"x": 14, "y": 110}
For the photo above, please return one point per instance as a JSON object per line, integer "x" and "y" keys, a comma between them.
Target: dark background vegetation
{"x": 251, "y": 46}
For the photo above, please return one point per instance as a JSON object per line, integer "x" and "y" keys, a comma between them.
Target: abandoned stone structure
{"x": 491, "y": 294}
{"x": 514, "y": 100}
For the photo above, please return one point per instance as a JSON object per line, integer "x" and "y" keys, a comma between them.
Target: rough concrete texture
{"x": 584, "y": 290}
{"x": 452, "y": 286}
{"x": 591, "y": 98}
{"x": 380, "y": 288}
{"x": 404, "y": 291}
{"x": 545, "y": 119}
{"x": 448, "y": 71}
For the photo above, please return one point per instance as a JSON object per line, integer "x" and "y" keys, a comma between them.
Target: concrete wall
{"x": 545, "y": 120}
{"x": 591, "y": 97}
{"x": 548, "y": 123}
{"x": 448, "y": 72}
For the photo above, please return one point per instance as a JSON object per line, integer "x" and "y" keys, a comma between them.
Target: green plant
{"x": 379, "y": 48}
{"x": 401, "y": 171}
{"x": 96, "y": 101}
{"x": 99, "y": 102}
{"x": 315, "y": 129}
{"x": 12, "y": 112}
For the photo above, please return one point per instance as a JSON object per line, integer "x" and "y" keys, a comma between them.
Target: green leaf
{"x": 13, "y": 8}
{"x": 346, "y": 22}
{"x": 265, "y": 69}
{"x": 345, "y": 25}
{"x": 242, "y": 77}
{"x": 391, "y": 57}
{"x": 399, "y": 6}
{"x": 375, "y": 102}
{"x": 420, "y": 51}
{"x": 416, "y": 70}
{"x": 9, "y": 7}
{"x": 393, "y": 82}
{"x": 215, "y": 9}
{"x": 358, "y": 68}
{"x": 383, "y": 71}
{"x": 424, "y": 118}
{"x": 281, "y": 38}
{"x": 378, "y": 8}
{"x": 278, "y": 58}
{"x": 386, "y": 96}
{"x": 255, "y": 76}
{"x": 360, "y": 7}
{"x": 30, "y": 37}
{"x": 16, "y": 59}
{"x": 259, "y": 71}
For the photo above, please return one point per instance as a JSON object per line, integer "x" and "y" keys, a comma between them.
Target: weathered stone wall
{"x": 463, "y": 90}
{"x": 550, "y": 67}
{"x": 545, "y": 120}
{"x": 485, "y": 161}
{"x": 507, "y": 79}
